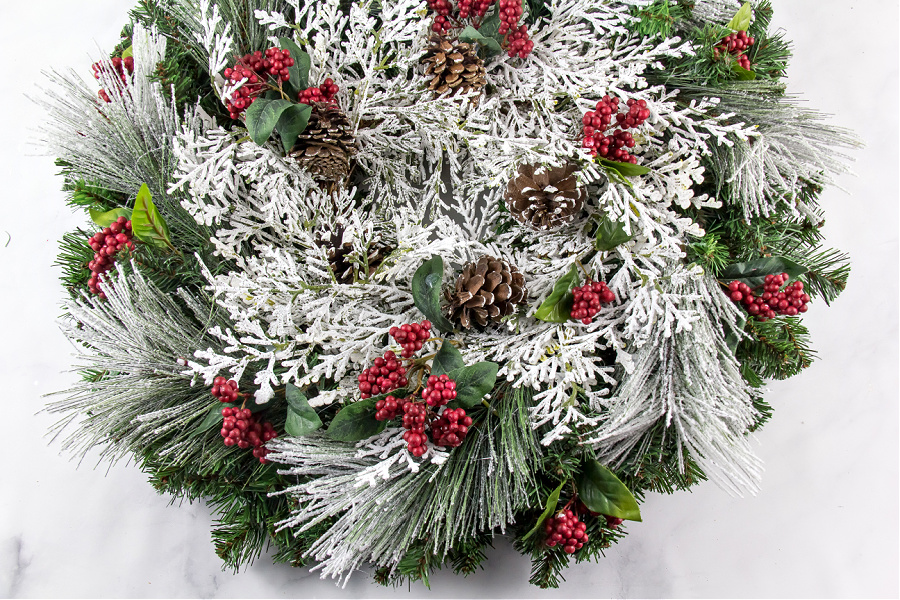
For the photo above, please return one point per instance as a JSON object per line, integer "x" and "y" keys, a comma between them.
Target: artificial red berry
{"x": 225, "y": 391}
{"x": 439, "y": 391}
{"x": 240, "y": 428}
{"x": 450, "y": 428}
{"x": 588, "y": 299}
{"x": 255, "y": 70}
{"x": 414, "y": 421}
{"x": 613, "y": 146}
{"x": 566, "y": 530}
{"x": 773, "y": 300}
{"x": 106, "y": 244}
{"x": 385, "y": 375}
{"x": 736, "y": 44}
{"x": 411, "y": 336}
{"x": 389, "y": 408}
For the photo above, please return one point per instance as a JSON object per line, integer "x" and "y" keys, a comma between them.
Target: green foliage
{"x": 356, "y": 422}
{"x": 709, "y": 252}
{"x": 147, "y": 224}
{"x": 654, "y": 465}
{"x": 658, "y": 18}
{"x": 446, "y": 359}
{"x": 610, "y": 234}
{"x": 779, "y": 348}
{"x": 83, "y": 194}
{"x": 301, "y": 417}
{"x": 73, "y": 258}
{"x": 557, "y": 308}
{"x": 602, "y": 492}
{"x": 474, "y": 382}
{"x": 426, "y": 292}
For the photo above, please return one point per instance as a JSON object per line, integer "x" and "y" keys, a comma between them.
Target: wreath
{"x": 383, "y": 280}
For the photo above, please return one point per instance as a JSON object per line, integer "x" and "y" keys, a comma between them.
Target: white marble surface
{"x": 824, "y": 525}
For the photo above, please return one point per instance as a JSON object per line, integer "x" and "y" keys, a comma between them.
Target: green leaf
{"x": 557, "y": 308}
{"x": 426, "y": 292}
{"x": 741, "y": 20}
{"x": 262, "y": 116}
{"x": 147, "y": 224}
{"x": 301, "y": 417}
{"x": 742, "y": 73}
{"x": 552, "y": 501}
{"x": 129, "y": 51}
{"x": 299, "y": 79}
{"x": 447, "y": 359}
{"x": 470, "y": 35}
{"x": 754, "y": 273}
{"x": 292, "y": 123}
{"x": 474, "y": 382}
{"x": 105, "y": 219}
{"x": 623, "y": 168}
{"x": 610, "y": 234}
{"x": 356, "y": 422}
{"x": 602, "y": 492}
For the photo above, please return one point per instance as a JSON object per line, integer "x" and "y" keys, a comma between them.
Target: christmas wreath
{"x": 381, "y": 280}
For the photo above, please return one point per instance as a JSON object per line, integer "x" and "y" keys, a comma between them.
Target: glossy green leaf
{"x": 447, "y": 359}
{"x": 147, "y": 224}
{"x": 549, "y": 507}
{"x": 602, "y": 492}
{"x": 299, "y": 73}
{"x": 623, "y": 168}
{"x": 741, "y": 19}
{"x": 301, "y": 417}
{"x": 610, "y": 234}
{"x": 105, "y": 219}
{"x": 128, "y": 52}
{"x": 293, "y": 121}
{"x": 262, "y": 117}
{"x": 557, "y": 308}
{"x": 426, "y": 292}
{"x": 742, "y": 73}
{"x": 471, "y": 35}
{"x": 754, "y": 273}
{"x": 356, "y": 422}
{"x": 474, "y": 382}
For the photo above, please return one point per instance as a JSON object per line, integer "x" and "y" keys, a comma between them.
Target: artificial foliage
{"x": 384, "y": 282}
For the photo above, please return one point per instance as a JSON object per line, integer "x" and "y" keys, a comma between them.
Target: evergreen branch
{"x": 779, "y": 348}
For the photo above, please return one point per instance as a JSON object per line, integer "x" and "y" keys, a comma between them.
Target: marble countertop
{"x": 825, "y": 523}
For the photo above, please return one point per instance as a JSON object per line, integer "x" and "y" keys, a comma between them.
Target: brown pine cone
{"x": 544, "y": 198}
{"x": 486, "y": 291}
{"x": 453, "y": 66}
{"x": 327, "y": 144}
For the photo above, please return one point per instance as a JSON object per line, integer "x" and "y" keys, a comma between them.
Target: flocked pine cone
{"x": 345, "y": 269}
{"x": 453, "y": 66}
{"x": 544, "y": 198}
{"x": 327, "y": 144}
{"x": 486, "y": 291}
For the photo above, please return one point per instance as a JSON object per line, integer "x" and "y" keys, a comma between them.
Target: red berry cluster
{"x": 451, "y": 427}
{"x": 773, "y": 301}
{"x": 596, "y": 123}
{"x": 389, "y": 408}
{"x": 240, "y": 428}
{"x": 566, "y": 530}
{"x": 385, "y": 375}
{"x": 735, "y": 43}
{"x": 447, "y": 429}
{"x": 414, "y": 416}
{"x": 588, "y": 299}
{"x": 510, "y": 12}
{"x": 106, "y": 244}
{"x": 225, "y": 390}
{"x": 119, "y": 66}
{"x": 473, "y": 7}
{"x": 322, "y": 93}
{"x": 255, "y": 68}
{"x": 439, "y": 391}
{"x": 411, "y": 336}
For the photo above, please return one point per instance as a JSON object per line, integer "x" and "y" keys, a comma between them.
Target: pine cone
{"x": 327, "y": 144}
{"x": 345, "y": 270}
{"x": 486, "y": 291}
{"x": 453, "y": 67}
{"x": 546, "y": 198}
